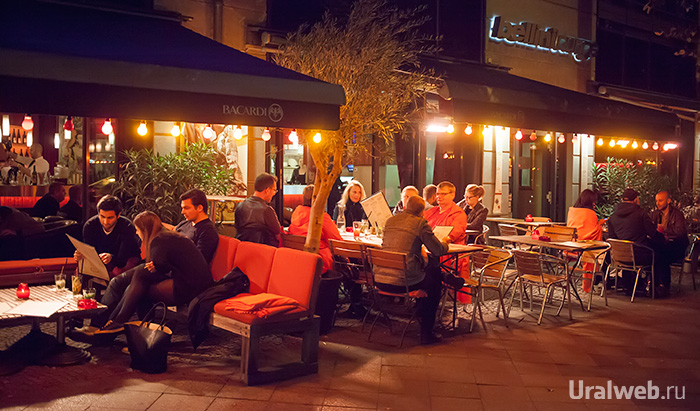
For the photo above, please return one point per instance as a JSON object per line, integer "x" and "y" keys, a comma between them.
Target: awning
{"x": 485, "y": 95}
{"x": 82, "y": 61}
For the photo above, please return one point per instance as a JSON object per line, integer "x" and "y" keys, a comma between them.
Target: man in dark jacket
{"x": 50, "y": 202}
{"x": 197, "y": 225}
{"x": 407, "y": 232}
{"x": 671, "y": 223}
{"x": 255, "y": 220}
{"x": 630, "y": 222}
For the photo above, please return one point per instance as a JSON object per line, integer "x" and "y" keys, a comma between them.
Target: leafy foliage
{"x": 155, "y": 183}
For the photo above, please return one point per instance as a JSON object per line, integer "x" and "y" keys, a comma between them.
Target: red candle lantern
{"x": 23, "y": 291}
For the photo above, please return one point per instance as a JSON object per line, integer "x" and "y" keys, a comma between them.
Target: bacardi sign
{"x": 543, "y": 38}
{"x": 274, "y": 112}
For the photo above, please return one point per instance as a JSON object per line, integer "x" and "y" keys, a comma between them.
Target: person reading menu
{"x": 447, "y": 213}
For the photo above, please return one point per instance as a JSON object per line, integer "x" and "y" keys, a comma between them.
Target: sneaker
{"x": 111, "y": 328}
{"x": 454, "y": 281}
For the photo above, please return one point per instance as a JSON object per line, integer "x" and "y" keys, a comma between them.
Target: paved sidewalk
{"x": 523, "y": 367}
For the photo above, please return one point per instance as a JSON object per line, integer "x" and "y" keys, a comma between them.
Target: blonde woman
{"x": 476, "y": 212}
{"x": 353, "y": 194}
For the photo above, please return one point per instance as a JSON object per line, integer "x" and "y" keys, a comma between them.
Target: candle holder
{"x": 23, "y": 291}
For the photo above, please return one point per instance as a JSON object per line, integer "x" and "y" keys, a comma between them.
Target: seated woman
{"x": 583, "y": 216}
{"x": 353, "y": 194}
{"x": 175, "y": 273}
{"x": 476, "y": 212}
{"x": 300, "y": 226}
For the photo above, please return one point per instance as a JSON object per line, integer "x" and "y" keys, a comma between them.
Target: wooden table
{"x": 521, "y": 222}
{"x": 577, "y": 247}
{"x": 38, "y": 347}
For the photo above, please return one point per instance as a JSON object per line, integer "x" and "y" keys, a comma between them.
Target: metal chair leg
{"x": 636, "y": 280}
{"x": 544, "y": 301}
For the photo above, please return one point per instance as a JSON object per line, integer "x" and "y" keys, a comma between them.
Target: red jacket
{"x": 454, "y": 216}
{"x": 329, "y": 231}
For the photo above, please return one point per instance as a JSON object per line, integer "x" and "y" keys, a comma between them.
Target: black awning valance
{"x": 64, "y": 59}
{"x": 486, "y": 95}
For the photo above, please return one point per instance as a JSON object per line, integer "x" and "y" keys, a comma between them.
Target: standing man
{"x": 50, "y": 203}
{"x": 407, "y": 192}
{"x": 197, "y": 225}
{"x": 113, "y": 236}
{"x": 37, "y": 167}
{"x": 256, "y": 221}
{"x": 671, "y": 223}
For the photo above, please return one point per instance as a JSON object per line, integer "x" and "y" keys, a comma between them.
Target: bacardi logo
{"x": 274, "y": 112}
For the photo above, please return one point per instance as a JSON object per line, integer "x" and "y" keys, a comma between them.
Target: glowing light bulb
{"x": 655, "y": 146}
{"x": 547, "y": 137}
{"x": 175, "y": 131}
{"x": 518, "y": 135}
{"x": 450, "y": 129}
{"x": 5, "y": 125}
{"x": 574, "y": 138}
{"x": 561, "y": 139}
{"x": 293, "y": 137}
{"x": 600, "y": 142}
{"x": 56, "y": 141}
{"x": 27, "y": 123}
{"x": 237, "y": 133}
{"x": 645, "y": 145}
{"x": 107, "y": 127}
{"x": 533, "y": 136}
{"x": 623, "y": 143}
{"x": 468, "y": 130}
{"x": 635, "y": 145}
{"x": 98, "y": 147}
{"x": 266, "y": 135}
{"x": 612, "y": 143}
{"x": 486, "y": 132}
{"x": 317, "y": 137}
{"x": 208, "y": 133}
{"x": 143, "y": 129}
{"x": 91, "y": 147}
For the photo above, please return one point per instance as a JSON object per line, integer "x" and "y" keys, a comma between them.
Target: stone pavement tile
{"x": 510, "y": 378}
{"x": 387, "y": 401}
{"x": 409, "y": 360}
{"x": 355, "y": 383}
{"x": 71, "y": 402}
{"x": 488, "y": 354}
{"x": 536, "y": 368}
{"x": 682, "y": 363}
{"x": 138, "y": 384}
{"x": 550, "y": 394}
{"x": 572, "y": 357}
{"x": 404, "y": 373}
{"x": 134, "y": 400}
{"x": 544, "y": 380}
{"x": 408, "y": 387}
{"x": 205, "y": 387}
{"x": 530, "y": 356}
{"x": 337, "y": 398}
{"x": 580, "y": 371}
{"x": 285, "y": 406}
{"x": 558, "y": 406}
{"x": 453, "y": 389}
{"x": 313, "y": 380}
{"x": 465, "y": 375}
{"x": 491, "y": 365}
{"x": 329, "y": 408}
{"x": 605, "y": 406}
{"x": 505, "y": 397}
{"x": 452, "y": 363}
{"x": 18, "y": 408}
{"x": 299, "y": 395}
{"x": 614, "y": 361}
{"x": 452, "y": 403}
{"x": 227, "y": 404}
{"x": 240, "y": 391}
{"x": 371, "y": 373}
{"x": 169, "y": 402}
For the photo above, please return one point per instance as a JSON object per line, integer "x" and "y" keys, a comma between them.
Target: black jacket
{"x": 203, "y": 235}
{"x": 201, "y": 306}
{"x": 257, "y": 222}
{"x": 676, "y": 230}
{"x": 475, "y": 219}
{"x": 630, "y": 222}
{"x": 353, "y": 212}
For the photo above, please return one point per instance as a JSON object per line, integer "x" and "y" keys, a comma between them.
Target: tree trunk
{"x": 322, "y": 188}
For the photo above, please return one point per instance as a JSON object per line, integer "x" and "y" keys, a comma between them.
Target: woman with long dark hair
{"x": 588, "y": 227}
{"x": 175, "y": 272}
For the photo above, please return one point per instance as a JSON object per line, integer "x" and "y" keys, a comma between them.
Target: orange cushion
{"x": 293, "y": 274}
{"x": 220, "y": 308}
{"x": 29, "y": 266}
{"x": 222, "y": 263}
{"x": 255, "y": 260}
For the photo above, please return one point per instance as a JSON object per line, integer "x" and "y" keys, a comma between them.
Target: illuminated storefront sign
{"x": 532, "y": 35}
{"x": 274, "y": 112}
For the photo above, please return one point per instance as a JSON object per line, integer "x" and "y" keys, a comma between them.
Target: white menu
{"x": 376, "y": 208}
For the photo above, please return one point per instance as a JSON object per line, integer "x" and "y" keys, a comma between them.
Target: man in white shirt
{"x": 37, "y": 164}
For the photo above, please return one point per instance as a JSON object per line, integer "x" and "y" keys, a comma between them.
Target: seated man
{"x": 15, "y": 224}
{"x": 73, "y": 210}
{"x": 255, "y": 220}
{"x": 630, "y": 222}
{"x": 406, "y": 233}
{"x": 429, "y": 196}
{"x": 197, "y": 225}
{"x": 405, "y": 193}
{"x": 50, "y": 203}
{"x": 113, "y": 236}
{"x": 671, "y": 223}
{"x": 447, "y": 213}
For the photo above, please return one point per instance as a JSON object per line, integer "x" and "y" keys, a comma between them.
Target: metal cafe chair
{"x": 622, "y": 259}
{"x": 397, "y": 266}
{"x": 531, "y": 273}
{"x": 559, "y": 232}
{"x": 484, "y": 232}
{"x": 594, "y": 259}
{"x": 350, "y": 259}
{"x": 685, "y": 265}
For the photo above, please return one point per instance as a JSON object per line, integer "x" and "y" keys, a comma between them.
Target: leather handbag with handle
{"x": 149, "y": 342}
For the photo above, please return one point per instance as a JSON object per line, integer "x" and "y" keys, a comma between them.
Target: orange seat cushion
{"x": 29, "y": 266}
{"x": 255, "y": 260}
{"x": 293, "y": 274}
{"x": 220, "y": 308}
{"x": 222, "y": 263}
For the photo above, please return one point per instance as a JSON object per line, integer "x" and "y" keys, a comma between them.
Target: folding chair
{"x": 559, "y": 232}
{"x": 622, "y": 259}
{"x": 530, "y": 272}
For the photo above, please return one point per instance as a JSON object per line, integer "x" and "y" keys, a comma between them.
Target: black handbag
{"x": 149, "y": 342}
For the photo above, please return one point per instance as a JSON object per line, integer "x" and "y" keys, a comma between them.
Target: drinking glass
{"x": 356, "y": 228}
{"x": 365, "y": 227}
{"x": 76, "y": 284}
{"x": 60, "y": 280}
{"x": 89, "y": 293}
